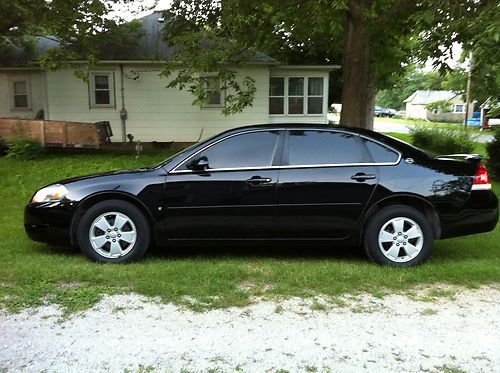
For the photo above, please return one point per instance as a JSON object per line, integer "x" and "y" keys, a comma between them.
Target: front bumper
{"x": 480, "y": 214}
{"x": 49, "y": 222}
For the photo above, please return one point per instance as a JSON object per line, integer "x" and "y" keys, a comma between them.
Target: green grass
{"x": 32, "y": 274}
{"x": 411, "y": 121}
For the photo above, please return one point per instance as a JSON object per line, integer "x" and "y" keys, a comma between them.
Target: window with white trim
{"x": 102, "y": 92}
{"x": 315, "y": 95}
{"x": 459, "y": 108}
{"x": 21, "y": 99}
{"x": 214, "y": 93}
{"x": 296, "y": 95}
{"x": 277, "y": 95}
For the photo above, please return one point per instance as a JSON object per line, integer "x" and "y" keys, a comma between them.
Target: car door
{"x": 234, "y": 197}
{"x": 325, "y": 184}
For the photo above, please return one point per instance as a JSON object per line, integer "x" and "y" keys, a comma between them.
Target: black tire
{"x": 134, "y": 251}
{"x": 375, "y": 250}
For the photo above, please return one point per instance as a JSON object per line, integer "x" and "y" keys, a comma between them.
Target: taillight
{"x": 482, "y": 179}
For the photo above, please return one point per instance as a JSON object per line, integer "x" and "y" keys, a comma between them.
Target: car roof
{"x": 388, "y": 140}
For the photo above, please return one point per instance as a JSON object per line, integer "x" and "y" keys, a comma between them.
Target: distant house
{"x": 129, "y": 93}
{"x": 486, "y": 120}
{"x": 416, "y": 106}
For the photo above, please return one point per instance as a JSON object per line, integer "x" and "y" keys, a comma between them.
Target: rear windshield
{"x": 401, "y": 145}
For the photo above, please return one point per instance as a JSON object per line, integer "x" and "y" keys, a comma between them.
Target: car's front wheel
{"x": 398, "y": 236}
{"x": 113, "y": 231}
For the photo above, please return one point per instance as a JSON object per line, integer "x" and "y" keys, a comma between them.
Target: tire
{"x": 386, "y": 243}
{"x": 114, "y": 231}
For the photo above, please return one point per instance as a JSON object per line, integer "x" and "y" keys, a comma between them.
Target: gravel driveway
{"x": 129, "y": 332}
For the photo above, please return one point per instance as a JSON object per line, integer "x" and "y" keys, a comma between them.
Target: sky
{"x": 140, "y": 8}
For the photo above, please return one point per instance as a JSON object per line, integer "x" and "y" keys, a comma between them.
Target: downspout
{"x": 123, "y": 111}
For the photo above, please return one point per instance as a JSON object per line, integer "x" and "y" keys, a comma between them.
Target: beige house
{"x": 130, "y": 94}
{"x": 416, "y": 106}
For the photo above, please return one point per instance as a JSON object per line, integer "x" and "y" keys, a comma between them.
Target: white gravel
{"x": 392, "y": 334}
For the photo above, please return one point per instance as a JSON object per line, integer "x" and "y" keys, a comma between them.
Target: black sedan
{"x": 342, "y": 186}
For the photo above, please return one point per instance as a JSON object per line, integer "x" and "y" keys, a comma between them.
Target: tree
{"x": 81, "y": 30}
{"x": 374, "y": 40}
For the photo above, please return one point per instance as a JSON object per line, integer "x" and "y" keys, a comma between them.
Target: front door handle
{"x": 361, "y": 176}
{"x": 257, "y": 180}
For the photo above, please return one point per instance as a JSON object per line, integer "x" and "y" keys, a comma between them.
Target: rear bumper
{"x": 49, "y": 223}
{"x": 480, "y": 214}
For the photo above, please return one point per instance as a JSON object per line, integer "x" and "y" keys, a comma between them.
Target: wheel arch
{"x": 102, "y": 196}
{"x": 417, "y": 202}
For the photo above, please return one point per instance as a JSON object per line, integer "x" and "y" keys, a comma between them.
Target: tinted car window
{"x": 255, "y": 149}
{"x": 321, "y": 147}
{"x": 380, "y": 153}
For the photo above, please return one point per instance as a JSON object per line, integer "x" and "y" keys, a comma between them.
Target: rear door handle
{"x": 257, "y": 180}
{"x": 361, "y": 176}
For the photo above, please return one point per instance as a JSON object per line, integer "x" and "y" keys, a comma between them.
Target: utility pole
{"x": 467, "y": 92}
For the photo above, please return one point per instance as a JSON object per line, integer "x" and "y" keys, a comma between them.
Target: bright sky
{"x": 140, "y": 8}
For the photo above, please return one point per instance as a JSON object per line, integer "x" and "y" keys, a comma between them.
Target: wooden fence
{"x": 56, "y": 133}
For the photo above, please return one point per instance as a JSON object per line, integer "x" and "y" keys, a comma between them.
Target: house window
{"x": 458, "y": 108}
{"x": 315, "y": 96}
{"x": 296, "y": 95}
{"x": 21, "y": 95}
{"x": 102, "y": 89}
{"x": 277, "y": 95}
{"x": 214, "y": 93}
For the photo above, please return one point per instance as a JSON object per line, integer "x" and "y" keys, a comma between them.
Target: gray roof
{"x": 150, "y": 47}
{"x": 428, "y": 96}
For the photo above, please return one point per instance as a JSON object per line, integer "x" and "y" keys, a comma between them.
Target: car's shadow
{"x": 288, "y": 251}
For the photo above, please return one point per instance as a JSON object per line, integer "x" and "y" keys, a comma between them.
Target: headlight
{"x": 52, "y": 193}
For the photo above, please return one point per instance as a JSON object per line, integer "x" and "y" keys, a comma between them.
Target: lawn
{"x": 479, "y": 147}
{"x": 33, "y": 273}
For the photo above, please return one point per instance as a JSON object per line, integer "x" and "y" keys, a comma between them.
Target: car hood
{"x": 102, "y": 175}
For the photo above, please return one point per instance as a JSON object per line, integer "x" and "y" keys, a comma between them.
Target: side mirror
{"x": 198, "y": 164}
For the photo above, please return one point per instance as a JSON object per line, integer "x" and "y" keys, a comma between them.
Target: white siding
{"x": 68, "y": 98}
{"x": 155, "y": 113}
{"x": 36, "y": 93}
{"x": 167, "y": 114}
{"x": 416, "y": 111}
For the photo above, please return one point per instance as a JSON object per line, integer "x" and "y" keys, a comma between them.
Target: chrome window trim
{"x": 326, "y": 165}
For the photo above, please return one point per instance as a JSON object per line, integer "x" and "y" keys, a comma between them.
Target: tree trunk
{"x": 358, "y": 90}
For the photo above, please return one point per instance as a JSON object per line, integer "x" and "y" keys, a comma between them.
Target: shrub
{"x": 493, "y": 149}
{"x": 442, "y": 140}
{"x": 25, "y": 149}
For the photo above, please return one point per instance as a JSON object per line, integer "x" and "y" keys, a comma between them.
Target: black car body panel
{"x": 282, "y": 200}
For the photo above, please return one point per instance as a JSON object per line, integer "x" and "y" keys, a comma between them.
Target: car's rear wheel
{"x": 113, "y": 231}
{"x": 398, "y": 236}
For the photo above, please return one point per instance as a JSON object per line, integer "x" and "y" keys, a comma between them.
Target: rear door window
{"x": 315, "y": 147}
{"x": 380, "y": 153}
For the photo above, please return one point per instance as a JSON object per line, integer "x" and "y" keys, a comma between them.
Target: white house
{"x": 130, "y": 94}
{"x": 417, "y": 102}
